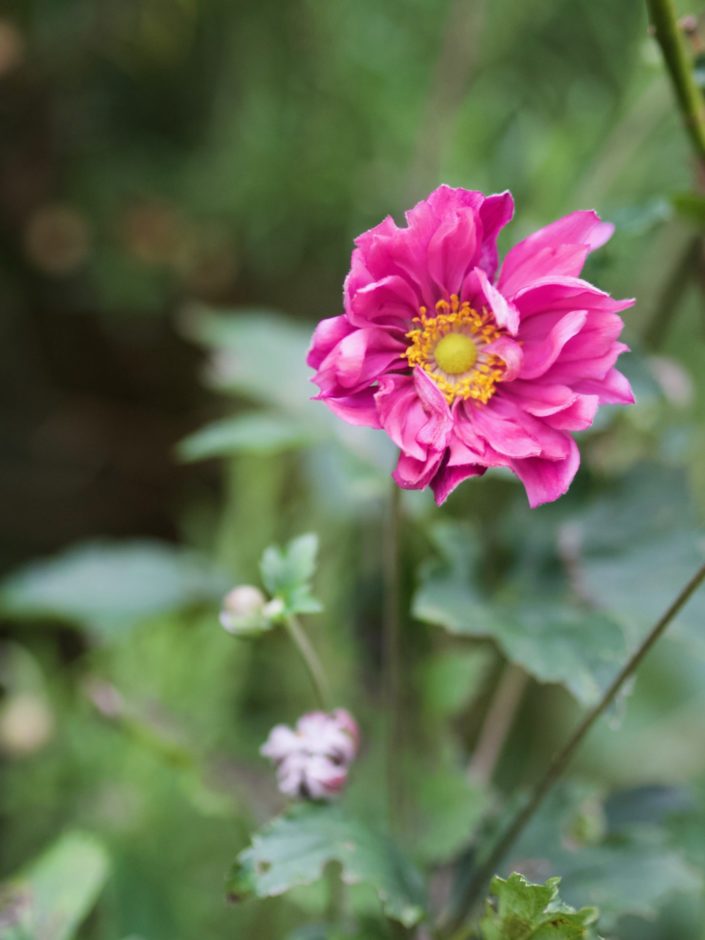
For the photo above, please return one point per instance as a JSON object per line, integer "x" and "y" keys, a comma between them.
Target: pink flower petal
{"x": 540, "y": 356}
{"x": 547, "y": 480}
{"x": 558, "y": 249}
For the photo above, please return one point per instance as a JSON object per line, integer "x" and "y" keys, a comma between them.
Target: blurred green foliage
{"x": 180, "y": 184}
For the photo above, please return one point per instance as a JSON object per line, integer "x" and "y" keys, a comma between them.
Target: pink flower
{"x": 466, "y": 369}
{"x": 313, "y": 759}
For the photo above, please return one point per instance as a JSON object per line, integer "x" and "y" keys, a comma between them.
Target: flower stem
{"x": 308, "y": 654}
{"x": 392, "y": 656}
{"x": 477, "y": 883}
{"x": 664, "y": 20}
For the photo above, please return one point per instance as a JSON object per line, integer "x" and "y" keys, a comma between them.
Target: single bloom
{"x": 465, "y": 367}
{"x": 313, "y": 758}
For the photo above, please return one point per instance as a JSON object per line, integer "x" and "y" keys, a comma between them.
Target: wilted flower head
{"x": 465, "y": 369}
{"x": 313, "y": 759}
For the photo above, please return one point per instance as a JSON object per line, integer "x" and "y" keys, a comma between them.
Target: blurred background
{"x": 180, "y": 184}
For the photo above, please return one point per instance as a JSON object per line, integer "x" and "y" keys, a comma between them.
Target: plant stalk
{"x": 392, "y": 657}
{"x": 308, "y": 654}
{"x": 476, "y": 885}
{"x": 664, "y": 21}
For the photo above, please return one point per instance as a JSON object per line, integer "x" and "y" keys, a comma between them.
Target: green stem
{"x": 668, "y": 35}
{"x": 392, "y": 656}
{"x": 308, "y": 654}
{"x": 476, "y": 885}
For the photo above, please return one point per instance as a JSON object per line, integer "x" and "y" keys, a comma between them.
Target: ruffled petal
{"x": 359, "y": 359}
{"x": 359, "y": 409}
{"x": 557, "y": 249}
{"x": 540, "y": 355}
{"x": 326, "y": 336}
{"x": 547, "y": 480}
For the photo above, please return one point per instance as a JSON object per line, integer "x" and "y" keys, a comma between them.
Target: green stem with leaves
{"x": 664, "y": 21}
{"x": 313, "y": 665}
{"x": 474, "y": 890}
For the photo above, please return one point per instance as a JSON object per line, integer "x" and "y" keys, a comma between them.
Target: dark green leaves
{"x": 535, "y": 623}
{"x": 294, "y": 849}
{"x": 287, "y": 572}
{"x": 525, "y": 911}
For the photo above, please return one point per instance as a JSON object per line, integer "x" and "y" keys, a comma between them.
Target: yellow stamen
{"x": 450, "y": 348}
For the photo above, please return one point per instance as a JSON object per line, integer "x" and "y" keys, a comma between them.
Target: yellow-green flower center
{"x": 455, "y": 353}
{"x": 453, "y": 345}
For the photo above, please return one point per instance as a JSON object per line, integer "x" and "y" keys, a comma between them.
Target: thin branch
{"x": 308, "y": 654}
{"x": 476, "y": 885}
{"x": 690, "y": 101}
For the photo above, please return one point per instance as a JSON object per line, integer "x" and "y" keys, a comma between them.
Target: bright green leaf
{"x": 286, "y": 573}
{"x": 59, "y": 889}
{"x": 294, "y": 849}
{"x": 110, "y": 586}
{"x": 525, "y": 911}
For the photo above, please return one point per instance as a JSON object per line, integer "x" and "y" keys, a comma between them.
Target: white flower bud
{"x": 242, "y": 613}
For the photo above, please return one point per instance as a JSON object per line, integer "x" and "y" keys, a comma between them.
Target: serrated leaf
{"x": 525, "y": 911}
{"x": 286, "y": 573}
{"x": 555, "y": 641}
{"x": 294, "y": 849}
{"x": 58, "y": 890}
{"x": 255, "y": 433}
{"x": 110, "y": 586}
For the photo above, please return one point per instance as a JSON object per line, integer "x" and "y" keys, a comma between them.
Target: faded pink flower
{"x": 313, "y": 759}
{"x": 466, "y": 369}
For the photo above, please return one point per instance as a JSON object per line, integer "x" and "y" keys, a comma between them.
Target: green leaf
{"x": 621, "y": 868}
{"x": 555, "y": 641}
{"x": 294, "y": 849}
{"x": 525, "y": 911}
{"x": 255, "y": 433}
{"x": 58, "y": 890}
{"x": 259, "y": 354}
{"x": 110, "y": 586}
{"x": 286, "y": 573}
{"x": 639, "y": 544}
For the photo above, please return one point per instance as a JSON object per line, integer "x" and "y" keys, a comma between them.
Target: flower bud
{"x": 243, "y": 611}
{"x": 313, "y": 759}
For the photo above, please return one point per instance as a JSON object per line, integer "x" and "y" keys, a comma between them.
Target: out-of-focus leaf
{"x": 691, "y": 206}
{"x": 294, "y": 849}
{"x": 255, "y": 433}
{"x": 58, "y": 890}
{"x": 639, "y": 545}
{"x": 642, "y": 218}
{"x": 554, "y": 640}
{"x": 287, "y": 572}
{"x": 621, "y": 869}
{"x": 259, "y": 354}
{"x": 449, "y": 809}
{"x": 110, "y": 586}
{"x": 525, "y": 911}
